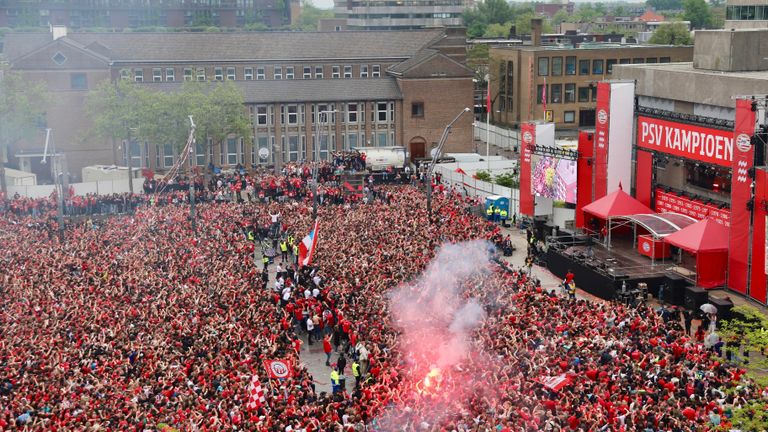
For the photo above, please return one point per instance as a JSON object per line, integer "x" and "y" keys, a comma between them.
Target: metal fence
{"x": 506, "y": 139}
{"x": 477, "y": 188}
{"x": 104, "y": 187}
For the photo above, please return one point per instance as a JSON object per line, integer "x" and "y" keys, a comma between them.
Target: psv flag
{"x": 256, "y": 397}
{"x": 555, "y": 383}
{"x": 307, "y": 247}
{"x": 278, "y": 368}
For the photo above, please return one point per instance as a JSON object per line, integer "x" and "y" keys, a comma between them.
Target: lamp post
{"x": 191, "y": 143}
{"x": 58, "y": 184}
{"x": 438, "y": 152}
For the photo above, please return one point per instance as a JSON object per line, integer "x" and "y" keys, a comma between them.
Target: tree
{"x": 560, "y": 17}
{"x": 497, "y": 30}
{"x": 675, "y": 33}
{"x": 22, "y": 109}
{"x": 310, "y": 15}
{"x": 483, "y": 176}
{"x": 510, "y": 180}
{"x": 698, "y": 13}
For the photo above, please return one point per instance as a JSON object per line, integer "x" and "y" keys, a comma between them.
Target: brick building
{"x": 525, "y": 79}
{"x": 383, "y": 89}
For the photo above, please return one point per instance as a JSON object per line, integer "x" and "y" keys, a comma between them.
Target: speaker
{"x": 723, "y": 305}
{"x": 675, "y": 291}
{"x": 695, "y": 297}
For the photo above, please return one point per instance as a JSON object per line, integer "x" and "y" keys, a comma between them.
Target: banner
{"x": 584, "y": 173}
{"x": 743, "y": 160}
{"x": 757, "y": 286}
{"x": 555, "y": 383}
{"x": 603, "y": 116}
{"x": 528, "y": 135}
{"x": 704, "y": 144}
{"x": 278, "y": 368}
{"x": 256, "y": 397}
{"x": 307, "y": 247}
{"x": 621, "y": 115}
{"x": 643, "y": 177}
{"x": 670, "y": 202}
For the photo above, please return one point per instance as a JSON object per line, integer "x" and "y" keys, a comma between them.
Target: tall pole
{"x": 438, "y": 152}
{"x": 192, "y": 212}
{"x": 57, "y": 184}
{"x": 488, "y": 104}
{"x": 130, "y": 162}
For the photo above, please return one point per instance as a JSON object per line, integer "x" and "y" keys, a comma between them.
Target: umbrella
{"x": 708, "y": 308}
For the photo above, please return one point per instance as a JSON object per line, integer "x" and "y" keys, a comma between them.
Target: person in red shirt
{"x": 327, "y": 349}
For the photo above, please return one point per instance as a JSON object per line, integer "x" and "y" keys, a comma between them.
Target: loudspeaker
{"x": 675, "y": 290}
{"x": 723, "y": 305}
{"x": 695, "y": 297}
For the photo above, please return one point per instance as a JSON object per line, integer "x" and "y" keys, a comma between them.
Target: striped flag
{"x": 544, "y": 95}
{"x": 255, "y": 394}
{"x": 488, "y": 96}
{"x": 307, "y": 247}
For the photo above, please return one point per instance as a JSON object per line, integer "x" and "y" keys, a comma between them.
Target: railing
{"x": 506, "y": 139}
{"x": 104, "y": 187}
{"x": 473, "y": 187}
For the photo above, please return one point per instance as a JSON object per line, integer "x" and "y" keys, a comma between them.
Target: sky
{"x": 323, "y": 4}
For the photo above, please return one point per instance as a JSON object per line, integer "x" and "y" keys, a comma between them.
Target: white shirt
{"x": 307, "y": 293}
{"x": 310, "y": 324}
{"x": 286, "y": 293}
{"x": 315, "y": 293}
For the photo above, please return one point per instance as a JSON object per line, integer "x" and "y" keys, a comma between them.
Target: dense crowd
{"x": 137, "y": 324}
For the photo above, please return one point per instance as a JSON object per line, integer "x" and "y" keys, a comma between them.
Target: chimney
{"x": 536, "y": 31}
{"x": 58, "y": 31}
{"x": 512, "y": 32}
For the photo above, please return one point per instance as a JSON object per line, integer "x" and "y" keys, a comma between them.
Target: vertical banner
{"x": 621, "y": 115}
{"x": 603, "y": 115}
{"x": 743, "y": 160}
{"x": 584, "y": 167}
{"x": 528, "y": 137}
{"x": 643, "y": 177}
{"x": 759, "y": 238}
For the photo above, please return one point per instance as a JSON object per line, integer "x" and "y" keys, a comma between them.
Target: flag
{"x": 544, "y": 95}
{"x": 278, "y": 368}
{"x": 307, "y": 247}
{"x": 488, "y": 98}
{"x": 555, "y": 383}
{"x": 461, "y": 171}
{"x": 255, "y": 394}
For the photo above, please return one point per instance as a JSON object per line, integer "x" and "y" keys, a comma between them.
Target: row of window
{"x": 565, "y": 93}
{"x": 351, "y": 113}
{"x": 570, "y": 65}
{"x": 232, "y": 73}
{"x": 749, "y": 13}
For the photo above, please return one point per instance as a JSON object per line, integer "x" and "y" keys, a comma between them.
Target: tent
{"x": 618, "y": 203}
{"x": 708, "y": 239}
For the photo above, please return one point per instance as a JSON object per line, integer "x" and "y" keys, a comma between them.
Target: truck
{"x": 382, "y": 158}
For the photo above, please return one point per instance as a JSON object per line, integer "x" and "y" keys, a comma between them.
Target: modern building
{"x": 401, "y": 15}
{"x": 695, "y": 149}
{"x": 557, "y": 83}
{"x": 350, "y": 89}
{"x": 121, "y": 14}
{"x": 746, "y": 14}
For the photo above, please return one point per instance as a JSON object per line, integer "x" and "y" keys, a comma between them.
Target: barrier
{"x": 103, "y": 187}
{"x": 473, "y": 187}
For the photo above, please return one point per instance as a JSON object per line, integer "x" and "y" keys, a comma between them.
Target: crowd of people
{"x": 137, "y": 324}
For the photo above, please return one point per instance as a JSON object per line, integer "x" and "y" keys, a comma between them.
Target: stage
{"x": 601, "y": 271}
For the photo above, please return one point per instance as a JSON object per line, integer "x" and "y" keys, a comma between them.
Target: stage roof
{"x": 704, "y": 236}
{"x": 617, "y": 203}
{"x": 661, "y": 224}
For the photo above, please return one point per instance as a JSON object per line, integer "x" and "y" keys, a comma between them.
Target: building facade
{"x": 558, "y": 84}
{"x": 308, "y": 94}
{"x": 401, "y": 15}
{"x": 121, "y": 14}
{"x": 746, "y": 14}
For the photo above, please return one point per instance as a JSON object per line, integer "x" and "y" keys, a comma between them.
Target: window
{"x": 667, "y": 59}
{"x": 376, "y": 72}
{"x": 570, "y": 65}
{"x": 417, "y": 109}
{"x": 539, "y": 94}
{"x": 278, "y": 72}
{"x": 363, "y": 71}
{"x": 263, "y": 143}
{"x": 381, "y": 112}
{"x": 625, "y": 61}
{"x": 543, "y": 66}
{"x": 289, "y": 74}
{"x": 199, "y": 154}
{"x": 336, "y": 72}
{"x": 638, "y": 60}
{"x": 125, "y": 74}
{"x": 583, "y": 94}
{"x": 201, "y": 74}
{"x": 597, "y": 67}
{"x": 593, "y": 90}
{"x": 318, "y": 72}
{"x": 248, "y": 74}
{"x": 583, "y": 67}
{"x": 381, "y": 139}
{"x": 556, "y": 93}
{"x": 351, "y": 141}
{"x": 570, "y": 93}
{"x": 170, "y": 74}
{"x": 168, "y": 155}
{"x": 218, "y": 73}
{"x": 232, "y": 153}
{"x": 260, "y": 75}
{"x": 138, "y": 75}
{"x": 293, "y": 114}
{"x": 187, "y": 74}
{"x": 157, "y": 74}
{"x": 557, "y": 66}
{"x": 569, "y": 117}
{"x": 78, "y": 81}
{"x": 651, "y": 60}
{"x": 261, "y": 115}
{"x": 307, "y": 72}
{"x": 347, "y": 71}
{"x": 352, "y": 113}
{"x": 231, "y": 74}
{"x": 609, "y": 65}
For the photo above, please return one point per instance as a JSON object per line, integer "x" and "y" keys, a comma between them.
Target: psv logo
{"x": 279, "y": 369}
{"x": 743, "y": 142}
{"x": 527, "y": 137}
{"x": 646, "y": 247}
{"x": 602, "y": 117}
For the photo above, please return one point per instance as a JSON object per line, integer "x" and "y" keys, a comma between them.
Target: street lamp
{"x": 436, "y": 156}
{"x": 191, "y": 143}
{"x": 57, "y": 182}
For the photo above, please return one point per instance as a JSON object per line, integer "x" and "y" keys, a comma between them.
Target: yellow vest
{"x": 503, "y": 213}
{"x": 284, "y": 246}
{"x": 489, "y": 211}
{"x": 497, "y": 210}
{"x": 334, "y": 377}
{"x": 355, "y": 369}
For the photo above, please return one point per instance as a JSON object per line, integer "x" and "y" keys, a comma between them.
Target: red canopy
{"x": 704, "y": 236}
{"x": 618, "y": 203}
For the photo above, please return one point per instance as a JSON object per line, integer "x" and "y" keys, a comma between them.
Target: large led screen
{"x": 554, "y": 178}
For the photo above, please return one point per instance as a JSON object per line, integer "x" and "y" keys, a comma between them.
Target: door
{"x": 418, "y": 149}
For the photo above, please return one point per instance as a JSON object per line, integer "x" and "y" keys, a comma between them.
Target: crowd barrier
{"x": 473, "y": 187}
{"x": 103, "y": 187}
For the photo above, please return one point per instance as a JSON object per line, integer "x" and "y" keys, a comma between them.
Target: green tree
{"x": 675, "y": 33}
{"x": 483, "y": 176}
{"x": 698, "y": 13}
{"x": 22, "y": 108}
{"x": 497, "y": 30}
{"x": 310, "y": 15}
{"x": 510, "y": 180}
{"x": 560, "y": 17}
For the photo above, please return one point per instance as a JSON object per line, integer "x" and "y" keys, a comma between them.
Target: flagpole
{"x": 488, "y": 123}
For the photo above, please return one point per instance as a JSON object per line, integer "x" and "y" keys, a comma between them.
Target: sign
{"x": 527, "y": 203}
{"x": 601, "y": 138}
{"x": 549, "y": 115}
{"x": 263, "y": 152}
{"x": 670, "y": 202}
{"x": 278, "y": 368}
{"x": 699, "y": 143}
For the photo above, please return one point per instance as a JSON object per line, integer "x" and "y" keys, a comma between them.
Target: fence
{"x": 477, "y": 188}
{"x": 506, "y": 139}
{"x": 104, "y": 187}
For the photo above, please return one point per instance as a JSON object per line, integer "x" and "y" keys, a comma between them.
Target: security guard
{"x": 496, "y": 214}
{"x": 335, "y": 382}
{"x": 356, "y": 373}
{"x": 284, "y": 250}
{"x": 503, "y": 214}
{"x": 295, "y": 254}
{"x": 489, "y": 212}
{"x": 251, "y": 237}
{"x": 265, "y": 260}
